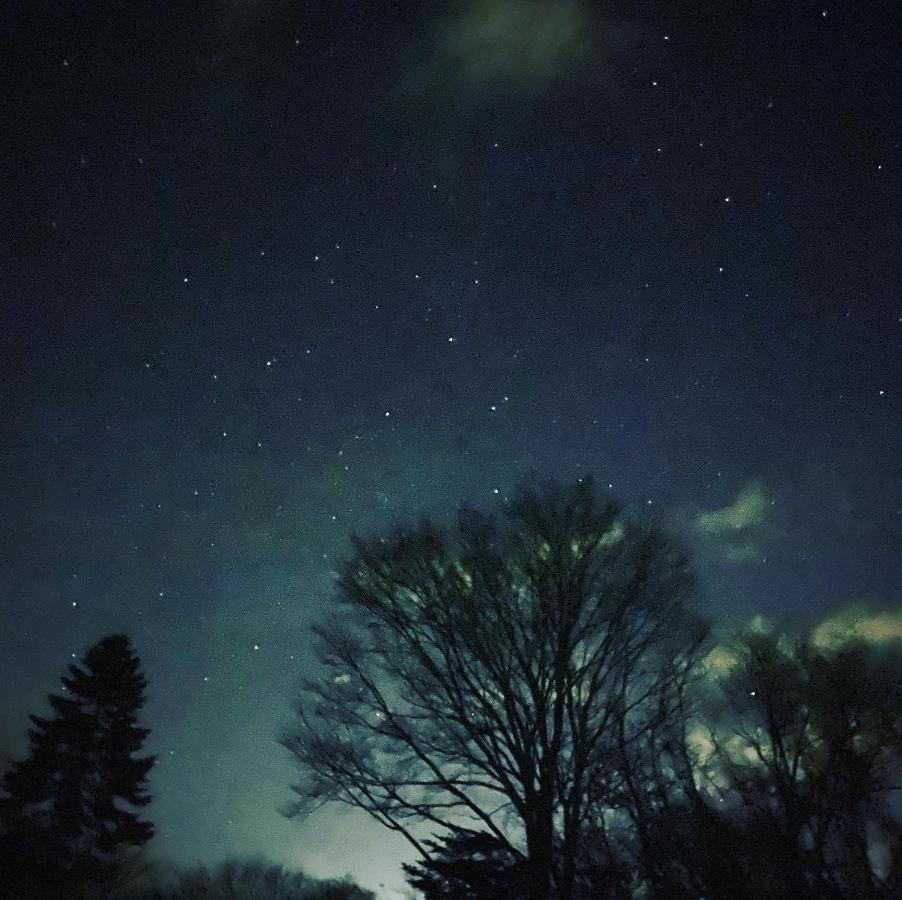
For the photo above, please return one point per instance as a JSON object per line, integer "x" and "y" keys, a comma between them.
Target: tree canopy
{"x": 491, "y": 677}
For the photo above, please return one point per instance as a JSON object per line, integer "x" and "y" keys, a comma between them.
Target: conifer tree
{"x": 469, "y": 866}
{"x": 72, "y": 806}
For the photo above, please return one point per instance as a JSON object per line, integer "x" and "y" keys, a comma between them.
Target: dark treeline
{"x": 533, "y": 702}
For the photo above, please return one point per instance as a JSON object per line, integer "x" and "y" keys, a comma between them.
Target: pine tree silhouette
{"x": 71, "y": 806}
{"x": 469, "y": 866}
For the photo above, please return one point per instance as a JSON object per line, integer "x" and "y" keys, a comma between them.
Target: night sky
{"x": 273, "y": 273}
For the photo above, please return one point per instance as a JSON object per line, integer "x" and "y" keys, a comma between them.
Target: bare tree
{"x": 490, "y": 680}
{"x": 812, "y": 751}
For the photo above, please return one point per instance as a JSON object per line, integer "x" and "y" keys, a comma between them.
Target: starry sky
{"x": 277, "y": 272}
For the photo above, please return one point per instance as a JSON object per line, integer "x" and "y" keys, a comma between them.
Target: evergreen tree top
{"x": 108, "y": 673}
{"x": 72, "y": 804}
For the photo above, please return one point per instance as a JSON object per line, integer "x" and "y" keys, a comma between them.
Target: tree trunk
{"x": 539, "y": 846}
{"x": 566, "y": 886}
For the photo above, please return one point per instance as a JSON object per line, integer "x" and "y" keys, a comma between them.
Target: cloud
{"x": 724, "y": 658}
{"x": 854, "y": 623}
{"x": 858, "y": 623}
{"x": 748, "y": 510}
{"x": 737, "y": 531}
{"x": 720, "y": 661}
{"x": 519, "y": 45}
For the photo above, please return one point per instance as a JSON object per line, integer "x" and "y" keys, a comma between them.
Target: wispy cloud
{"x": 748, "y": 510}
{"x": 509, "y": 45}
{"x": 857, "y": 623}
{"x": 737, "y": 531}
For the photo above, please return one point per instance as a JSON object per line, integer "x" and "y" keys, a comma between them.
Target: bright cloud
{"x": 747, "y": 511}
{"x": 857, "y": 623}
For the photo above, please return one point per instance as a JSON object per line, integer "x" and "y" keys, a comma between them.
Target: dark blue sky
{"x": 277, "y": 272}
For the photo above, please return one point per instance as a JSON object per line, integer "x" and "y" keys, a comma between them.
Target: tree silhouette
{"x": 786, "y": 789}
{"x": 469, "y": 866}
{"x": 68, "y": 810}
{"x": 491, "y": 675}
{"x": 256, "y": 880}
{"x": 812, "y": 754}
